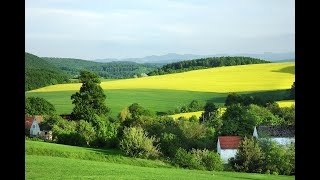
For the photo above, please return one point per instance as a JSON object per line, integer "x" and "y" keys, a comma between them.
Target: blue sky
{"x": 93, "y": 29}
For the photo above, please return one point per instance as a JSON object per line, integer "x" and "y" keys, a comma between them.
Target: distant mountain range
{"x": 173, "y": 57}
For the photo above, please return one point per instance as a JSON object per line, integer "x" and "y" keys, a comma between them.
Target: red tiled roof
{"x": 29, "y": 119}
{"x": 229, "y": 142}
{"x": 28, "y": 122}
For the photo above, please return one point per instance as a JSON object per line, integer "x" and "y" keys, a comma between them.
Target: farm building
{"x": 32, "y": 125}
{"x": 283, "y": 135}
{"x": 227, "y": 147}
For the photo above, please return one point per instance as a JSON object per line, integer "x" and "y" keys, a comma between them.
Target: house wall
{"x": 225, "y": 154}
{"x": 283, "y": 141}
{"x": 35, "y": 129}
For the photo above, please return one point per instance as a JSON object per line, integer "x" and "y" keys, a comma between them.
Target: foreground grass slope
{"x": 244, "y": 78}
{"x": 51, "y": 166}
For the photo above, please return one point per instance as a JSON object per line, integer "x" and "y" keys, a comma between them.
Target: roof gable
{"x": 229, "y": 142}
{"x": 28, "y": 120}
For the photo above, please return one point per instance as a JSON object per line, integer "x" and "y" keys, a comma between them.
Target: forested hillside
{"x": 40, "y": 73}
{"x": 110, "y": 70}
{"x": 204, "y": 63}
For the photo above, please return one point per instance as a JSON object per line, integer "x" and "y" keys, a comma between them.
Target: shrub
{"x": 198, "y": 159}
{"x": 136, "y": 143}
{"x": 210, "y": 160}
{"x": 249, "y": 157}
{"x": 278, "y": 159}
{"x": 186, "y": 160}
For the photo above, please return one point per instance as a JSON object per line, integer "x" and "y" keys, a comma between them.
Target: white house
{"x": 283, "y": 135}
{"x": 227, "y": 147}
{"x": 34, "y": 129}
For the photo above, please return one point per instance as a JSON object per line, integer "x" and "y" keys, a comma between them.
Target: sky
{"x": 97, "y": 29}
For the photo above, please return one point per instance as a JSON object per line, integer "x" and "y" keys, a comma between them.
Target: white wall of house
{"x": 225, "y": 154}
{"x": 283, "y": 141}
{"x": 255, "y": 133}
{"x": 35, "y": 129}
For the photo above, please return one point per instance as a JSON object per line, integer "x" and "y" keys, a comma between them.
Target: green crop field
{"x": 54, "y": 161}
{"x": 168, "y": 92}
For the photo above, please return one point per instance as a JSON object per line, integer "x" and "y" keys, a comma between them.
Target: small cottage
{"x": 283, "y": 135}
{"x": 32, "y": 125}
{"x": 227, "y": 147}
{"x": 34, "y": 129}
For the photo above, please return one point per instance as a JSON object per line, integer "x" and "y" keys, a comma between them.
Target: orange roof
{"x": 29, "y": 119}
{"x": 28, "y": 122}
{"x": 229, "y": 142}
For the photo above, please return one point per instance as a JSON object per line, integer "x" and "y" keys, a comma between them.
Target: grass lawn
{"x": 54, "y": 161}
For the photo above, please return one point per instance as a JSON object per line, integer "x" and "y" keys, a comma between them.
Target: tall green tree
{"x": 235, "y": 121}
{"x": 90, "y": 99}
{"x": 249, "y": 157}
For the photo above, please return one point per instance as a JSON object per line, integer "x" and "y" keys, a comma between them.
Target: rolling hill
{"x": 171, "y": 91}
{"x": 40, "y": 73}
{"x": 205, "y": 63}
{"x": 110, "y": 70}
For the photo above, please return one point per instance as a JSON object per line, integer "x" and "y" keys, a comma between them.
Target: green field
{"x": 168, "y": 92}
{"x": 154, "y": 99}
{"x": 54, "y": 161}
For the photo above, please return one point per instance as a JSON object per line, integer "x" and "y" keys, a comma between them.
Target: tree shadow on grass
{"x": 290, "y": 70}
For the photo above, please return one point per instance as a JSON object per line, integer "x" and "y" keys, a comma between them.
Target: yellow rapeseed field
{"x": 186, "y": 115}
{"x": 286, "y": 103}
{"x": 244, "y": 78}
{"x": 197, "y": 113}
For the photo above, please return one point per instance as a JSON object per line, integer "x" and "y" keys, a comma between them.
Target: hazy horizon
{"x": 112, "y": 29}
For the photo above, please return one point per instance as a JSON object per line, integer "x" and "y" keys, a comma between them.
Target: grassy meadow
{"x": 54, "y": 161}
{"x": 168, "y": 92}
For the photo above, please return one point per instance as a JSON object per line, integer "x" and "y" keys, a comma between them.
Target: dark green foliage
{"x": 134, "y": 115}
{"x": 90, "y": 99}
{"x": 246, "y": 100}
{"x": 262, "y": 116}
{"x": 293, "y": 91}
{"x": 285, "y": 113}
{"x": 249, "y": 157}
{"x": 38, "y": 106}
{"x": 204, "y": 63}
{"x": 233, "y": 98}
{"x": 235, "y": 121}
{"x": 106, "y": 132}
{"x": 211, "y": 115}
{"x": 40, "y": 73}
{"x": 198, "y": 159}
{"x": 194, "y": 106}
{"x": 136, "y": 143}
{"x": 110, "y": 70}
{"x": 278, "y": 159}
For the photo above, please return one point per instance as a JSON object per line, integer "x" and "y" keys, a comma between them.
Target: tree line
{"x": 39, "y": 73}
{"x": 203, "y": 63}
{"x": 110, "y": 70}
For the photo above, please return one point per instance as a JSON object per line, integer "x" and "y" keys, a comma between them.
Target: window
{"x": 33, "y": 126}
